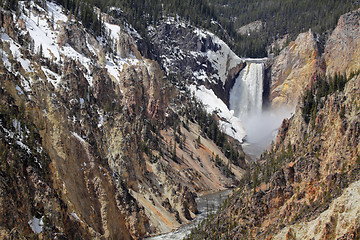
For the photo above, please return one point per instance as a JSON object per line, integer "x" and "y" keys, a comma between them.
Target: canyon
{"x": 106, "y": 149}
{"x": 116, "y": 136}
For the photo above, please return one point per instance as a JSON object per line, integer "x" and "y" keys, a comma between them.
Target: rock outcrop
{"x": 70, "y": 33}
{"x": 342, "y": 49}
{"x": 292, "y": 70}
{"x": 247, "y": 29}
{"x": 191, "y": 55}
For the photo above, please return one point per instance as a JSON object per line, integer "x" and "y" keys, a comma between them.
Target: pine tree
{"x": 52, "y": 21}
{"x": 40, "y": 53}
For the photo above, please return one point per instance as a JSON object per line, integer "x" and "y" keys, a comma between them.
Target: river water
{"x": 206, "y": 204}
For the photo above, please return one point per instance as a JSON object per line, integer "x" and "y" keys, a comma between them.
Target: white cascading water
{"x": 246, "y": 95}
{"x": 246, "y": 99}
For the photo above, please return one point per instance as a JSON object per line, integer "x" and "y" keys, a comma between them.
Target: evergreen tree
{"x": 40, "y": 53}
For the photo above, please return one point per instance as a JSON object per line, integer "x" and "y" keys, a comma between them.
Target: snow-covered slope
{"x": 204, "y": 63}
{"x": 195, "y": 56}
{"x": 219, "y": 54}
{"x": 229, "y": 124}
{"x": 43, "y": 27}
{"x": 208, "y": 51}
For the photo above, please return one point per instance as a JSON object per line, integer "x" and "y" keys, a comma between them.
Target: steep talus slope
{"x": 339, "y": 220}
{"x": 120, "y": 155}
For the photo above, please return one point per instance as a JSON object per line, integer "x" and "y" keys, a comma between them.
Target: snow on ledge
{"x": 229, "y": 124}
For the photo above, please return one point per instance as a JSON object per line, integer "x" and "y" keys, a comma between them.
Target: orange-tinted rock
{"x": 292, "y": 70}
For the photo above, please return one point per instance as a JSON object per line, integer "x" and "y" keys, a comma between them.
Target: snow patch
{"x": 44, "y": 38}
{"x": 78, "y": 137}
{"x": 15, "y": 54}
{"x": 52, "y": 77}
{"x": 229, "y": 124}
{"x": 26, "y": 65}
{"x": 82, "y": 102}
{"x": 56, "y": 11}
{"x": 36, "y": 224}
{"x": 101, "y": 119}
{"x": 114, "y": 30}
{"x": 223, "y": 59}
{"x": 75, "y": 216}
{"x": 24, "y": 147}
{"x": 114, "y": 69}
{"x": 130, "y": 30}
{"x": 19, "y": 90}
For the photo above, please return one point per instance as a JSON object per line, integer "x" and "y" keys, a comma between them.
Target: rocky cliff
{"x": 196, "y": 56}
{"x": 95, "y": 140}
{"x": 342, "y": 48}
{"x": 291, "y": 70}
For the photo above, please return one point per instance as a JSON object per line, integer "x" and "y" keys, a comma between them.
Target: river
{"x": 206, "y": 204}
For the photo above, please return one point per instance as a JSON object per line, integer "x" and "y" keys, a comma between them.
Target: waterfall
{"x": 246, "y": 99}
{"x": 246, "y": 95}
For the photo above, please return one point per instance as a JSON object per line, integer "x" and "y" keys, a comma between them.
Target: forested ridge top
{"x": 141, "y": 14}
{"x": 279, "y": 17}
{"x": 222, "y": 17}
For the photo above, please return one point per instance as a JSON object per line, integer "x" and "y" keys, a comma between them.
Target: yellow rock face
{"x": 292, "y": 70}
